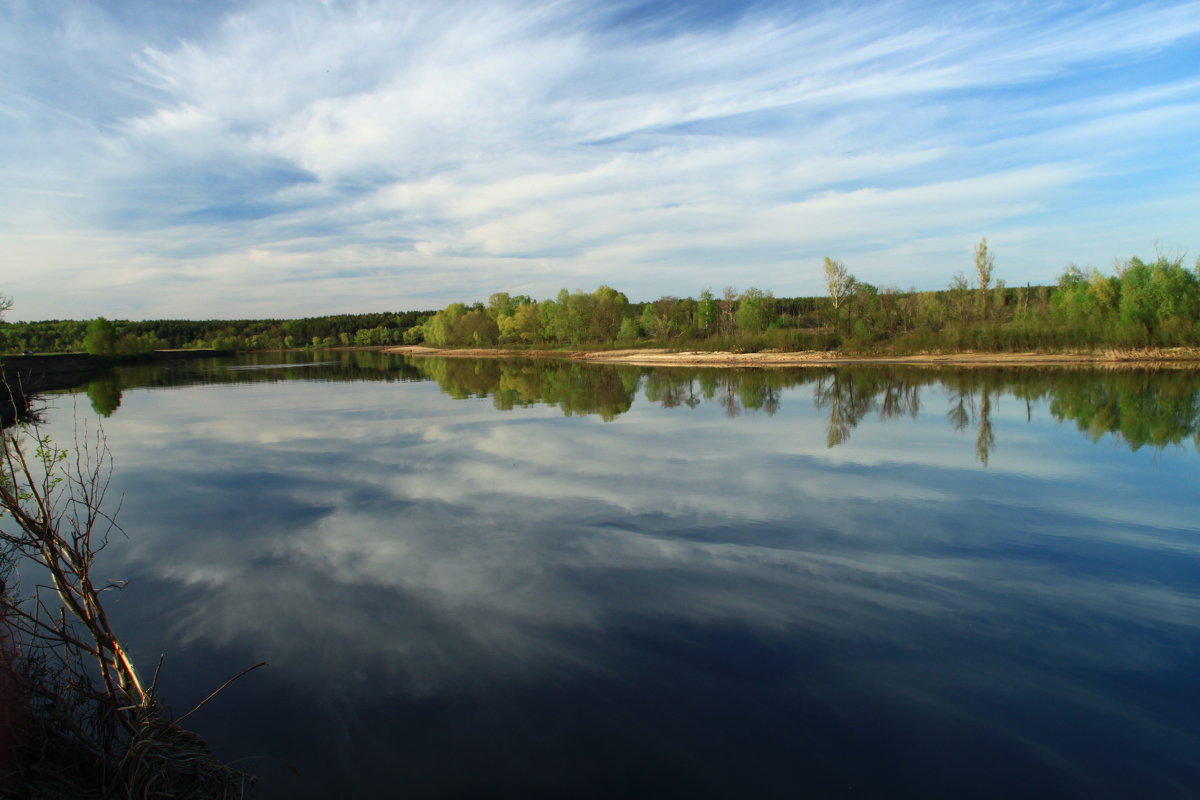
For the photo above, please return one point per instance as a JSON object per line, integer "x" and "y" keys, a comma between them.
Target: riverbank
{"x": 1174, "y": 357}
{"x": 23, "y": 376}
{"x": 61, "y": 363}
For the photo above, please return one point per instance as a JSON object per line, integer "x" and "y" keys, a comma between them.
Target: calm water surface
{"x": 512, "y": 579}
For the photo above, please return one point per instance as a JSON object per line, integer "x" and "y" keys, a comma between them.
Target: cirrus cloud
{"x": 283, "y": 159}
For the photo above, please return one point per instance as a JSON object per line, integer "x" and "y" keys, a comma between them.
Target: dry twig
{"x": 101, "y": 722}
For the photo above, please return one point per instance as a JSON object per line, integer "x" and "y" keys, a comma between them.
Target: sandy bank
{"x": 1174, "y": 357}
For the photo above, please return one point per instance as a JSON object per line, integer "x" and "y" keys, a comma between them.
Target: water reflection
{"x": 574, "y": 387}
{"x": 745, "y": 583}
{"x": 105, "y": 394}
{"x": 1139, "y": 407}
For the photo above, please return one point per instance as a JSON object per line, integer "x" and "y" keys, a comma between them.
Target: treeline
{"x": 1142, "y": 304}
{"x": 1154, "y": 304}
{"x": 606, "y": 317}
{"x": 123, "y": 337}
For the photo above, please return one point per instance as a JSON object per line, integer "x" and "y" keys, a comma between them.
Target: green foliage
{"x": 1154, "y": 304}
{"x": 456, "y": 325}
{"x": 608, "y": 314}
{"x": 753, "y": 313}
{"x": 652, "y": 324}
{"x": 100, "y": 339}
{"x": 1142, "y": 305}
{"x": 707, "y": 313}
{"x": 629, "y": 330}
{"x": 524, "y": 326}
{"x": 58, "y": 336}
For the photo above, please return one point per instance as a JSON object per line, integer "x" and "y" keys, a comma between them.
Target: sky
{"x": 287, "y": 158}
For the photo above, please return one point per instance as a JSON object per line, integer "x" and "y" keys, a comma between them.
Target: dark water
{"x": 511, "y": 579}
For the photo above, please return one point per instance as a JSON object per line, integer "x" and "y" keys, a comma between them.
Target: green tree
{"x": 1138, "y": 312}
{"x": 523, "y": 325}
{"x": 439, "y": 330}
{"x": 650, "y": 322}
{"x": 707, "y": 313}
{"x": 500, "y": 304}
{"x": 960, "y": 291}
{"x": 753, "y": 314}
{"x": 478, "y": 329}
{"x": 548, "y": 319}
{"x": 100, "y": 339}
{"x": 865, "y": 309}
{"x": 608, "y": 312}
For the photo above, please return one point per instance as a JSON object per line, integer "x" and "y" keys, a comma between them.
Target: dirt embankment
{"x": 1175, "y": 357}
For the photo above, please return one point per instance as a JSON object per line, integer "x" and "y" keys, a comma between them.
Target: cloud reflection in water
{"x": 887, "y": 612}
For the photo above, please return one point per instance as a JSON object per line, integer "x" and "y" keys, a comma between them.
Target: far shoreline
{"x": 1175, "y": 358}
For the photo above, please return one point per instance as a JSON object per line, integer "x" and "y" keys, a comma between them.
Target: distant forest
{"x": 122, "y": 337}
{"x": 1142, "y": 304}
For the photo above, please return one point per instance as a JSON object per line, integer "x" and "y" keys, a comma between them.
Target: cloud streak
{"x": 259, "y": 151}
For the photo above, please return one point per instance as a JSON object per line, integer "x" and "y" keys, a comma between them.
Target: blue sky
{"x": 189, "y": 158}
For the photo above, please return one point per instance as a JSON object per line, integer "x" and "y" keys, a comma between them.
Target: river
{"x": 484, "y": 578}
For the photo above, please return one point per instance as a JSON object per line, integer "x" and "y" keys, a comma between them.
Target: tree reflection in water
{"x": 1141, "y": 407}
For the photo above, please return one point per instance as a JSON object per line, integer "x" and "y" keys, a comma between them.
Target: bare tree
{"x": 728, "y": 304}
{"x": 984, "y": 267}
{"x": 840, "y": 284}
{"x": 104, "y": 721}
{"x": 984, "y": 264}
{"x": 837, "y": 281}
{"x": 960, "y": 292}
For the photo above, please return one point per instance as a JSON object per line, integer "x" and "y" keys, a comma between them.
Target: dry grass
{"x": 67, "y": 745}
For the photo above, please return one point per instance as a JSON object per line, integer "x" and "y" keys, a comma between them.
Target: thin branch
{"x": 220, "y": 689}
{"x": 55, "y": 501}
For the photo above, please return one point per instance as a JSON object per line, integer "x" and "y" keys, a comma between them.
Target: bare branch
{"x": 52, "y": 506}
{"x": 219, "y": 689}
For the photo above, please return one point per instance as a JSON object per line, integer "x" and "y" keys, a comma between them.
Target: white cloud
{"x": 457, "y": 149}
